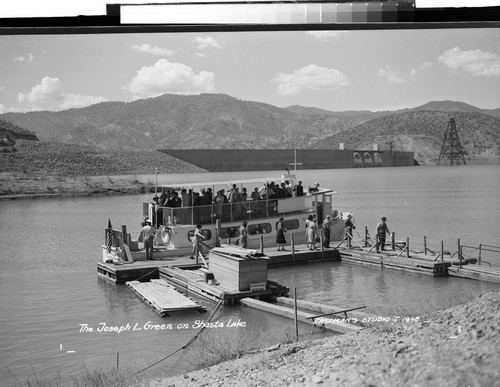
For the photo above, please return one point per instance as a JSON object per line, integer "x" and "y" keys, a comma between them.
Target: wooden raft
{"x": 162, "y": 297}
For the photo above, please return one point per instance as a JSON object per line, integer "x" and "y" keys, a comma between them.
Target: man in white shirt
{"x": 148, "y": 234}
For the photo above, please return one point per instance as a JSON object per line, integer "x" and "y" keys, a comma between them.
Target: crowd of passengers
{"x": 188, "y": 198}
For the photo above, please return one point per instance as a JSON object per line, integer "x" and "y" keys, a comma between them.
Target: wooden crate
{"x": 237, "y": 273}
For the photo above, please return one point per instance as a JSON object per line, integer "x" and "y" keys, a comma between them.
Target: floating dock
{"x": 331, "y": 318}
{"x": 121, "y": 272}
{"x": 477, "y": 272}
{"x": 194, "y": 280}
{"x": 417, "y": 263}
{"x": 421, "y": 263}
{"x": 162, "y": 297}
{"x": 389, "y": 259}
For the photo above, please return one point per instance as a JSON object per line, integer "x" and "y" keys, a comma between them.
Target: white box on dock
{"x": 238, "y": 269}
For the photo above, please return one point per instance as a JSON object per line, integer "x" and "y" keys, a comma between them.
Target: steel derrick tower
{"x": 452, "y": 152}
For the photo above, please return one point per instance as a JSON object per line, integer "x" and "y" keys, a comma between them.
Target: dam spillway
{"x": 230, "y": 160}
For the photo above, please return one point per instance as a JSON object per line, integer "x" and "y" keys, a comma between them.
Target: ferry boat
{"x": 221, "y": 208}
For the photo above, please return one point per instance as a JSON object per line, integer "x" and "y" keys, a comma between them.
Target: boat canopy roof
{"x": 263, "y": 180}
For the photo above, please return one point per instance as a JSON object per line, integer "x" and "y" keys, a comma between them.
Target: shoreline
{"x": 18, "y": 186}
{"x": 455, "y": 346}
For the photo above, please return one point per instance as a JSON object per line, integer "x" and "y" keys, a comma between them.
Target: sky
{"x": 333, "y": 70}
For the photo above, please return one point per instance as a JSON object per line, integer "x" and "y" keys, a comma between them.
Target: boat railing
{"x": 229, "y": 212}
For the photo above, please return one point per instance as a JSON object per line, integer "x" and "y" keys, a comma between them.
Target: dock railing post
{"x": 322, "y": 246}
{"x": 393, "y": 237}
{"x": 407, "y": 247}
{"x": 124, "y": 232}
{"x": 479, "y": 258}
{"x": 366, "y": 236}
{"x": 459, "y": 252}
{"x": 196, "y": 251}
{"x": 295, "y": 314}
{"x": 262, "y": 244}
{"x": 425, "y": 245}
{"x": 293, "y": 247}
{"x": 217, "y": 232}
{"x": 442, "y": 251}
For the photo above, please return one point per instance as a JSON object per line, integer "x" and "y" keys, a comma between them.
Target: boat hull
{"x": 175, "y": 241}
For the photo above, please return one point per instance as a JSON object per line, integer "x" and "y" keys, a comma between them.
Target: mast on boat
{"x": 295, "y": 163}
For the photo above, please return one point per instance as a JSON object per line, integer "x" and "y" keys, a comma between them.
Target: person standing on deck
{"x": 148, "y": 234}
{"x": 349, "y": 226}
{"x": 327, "y": 231}
{"x": 243, "y": 235}
{"x": 299, "y": 189}
{"x": 309, "y": 218}
{"x": 380, "y": 232}
{"x": 280, "y": 235}
{"x": 197, "y": 238}
{"x": 311, "y": 232}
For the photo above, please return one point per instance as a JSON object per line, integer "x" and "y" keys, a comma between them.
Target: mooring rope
{"x": 221, "y": 302}
{"x": 145, "y": 275}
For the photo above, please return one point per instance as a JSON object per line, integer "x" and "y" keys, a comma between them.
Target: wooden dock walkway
{"x": 285, "y": 309}
{"x": 477, "y": 272}
{"x": 420, "y": 263}
{"x": 388, "y": 259}
{"x": 162, "y": 297}
{"x": 417, "y": 263}
{"x": 122, "y": 272}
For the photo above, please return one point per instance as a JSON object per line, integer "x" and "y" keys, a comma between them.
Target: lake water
{"x": 49, "y": 285}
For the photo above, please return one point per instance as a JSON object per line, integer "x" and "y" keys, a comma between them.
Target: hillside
{"x": 456, "y": 106}
{"x": 76, "y": 160}
{"x": 7, "y": 129}
{"x": 422, "y": 133}
{"x": 182, "y": 122}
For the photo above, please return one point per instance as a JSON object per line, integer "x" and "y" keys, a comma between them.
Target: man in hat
{"x": 380, "y": 232}
{"x": 327, "y": 230}
{"x": 148, "y": 233}
{"x": 349, "y": 226}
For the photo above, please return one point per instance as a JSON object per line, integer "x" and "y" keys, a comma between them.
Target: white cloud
{"x": 390, "y": 75}
{"x": 166, "y": 77}
{"x": 478, "y": 63}
{"x": 326, "y": 35}
{"x": 310, "y": 77}
{"x": 47, "y": 90}
{"x": 153, "y": 50}
{"x": 21, "y": 59}
{"x": 48, "y": 95}
{"x": 207, "y": 42}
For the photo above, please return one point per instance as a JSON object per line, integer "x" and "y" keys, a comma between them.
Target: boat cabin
{"x": 235, "y": 201}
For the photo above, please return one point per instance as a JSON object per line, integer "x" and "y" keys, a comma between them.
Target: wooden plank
{"x": 318, "y": 307}
{"x": 340, "y": 327}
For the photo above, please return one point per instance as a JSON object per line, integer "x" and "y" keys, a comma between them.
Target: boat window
{"x": 206, "y": 233}
{"x": 291, "y": 224}
{"x": 259, "y": 228}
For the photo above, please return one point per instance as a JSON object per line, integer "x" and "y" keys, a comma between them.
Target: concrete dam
{"x": 230, "y": 160}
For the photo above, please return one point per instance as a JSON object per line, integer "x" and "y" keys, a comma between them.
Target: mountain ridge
{"x": 219, "y": 121}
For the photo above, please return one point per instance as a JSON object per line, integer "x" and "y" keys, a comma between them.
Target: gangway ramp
{"x": 162, "y": 297}
{"x": 338, "y": 325}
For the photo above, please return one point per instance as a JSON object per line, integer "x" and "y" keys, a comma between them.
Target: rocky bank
{"x": 459, "y": 346}
{"x": 40, "y": 169}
